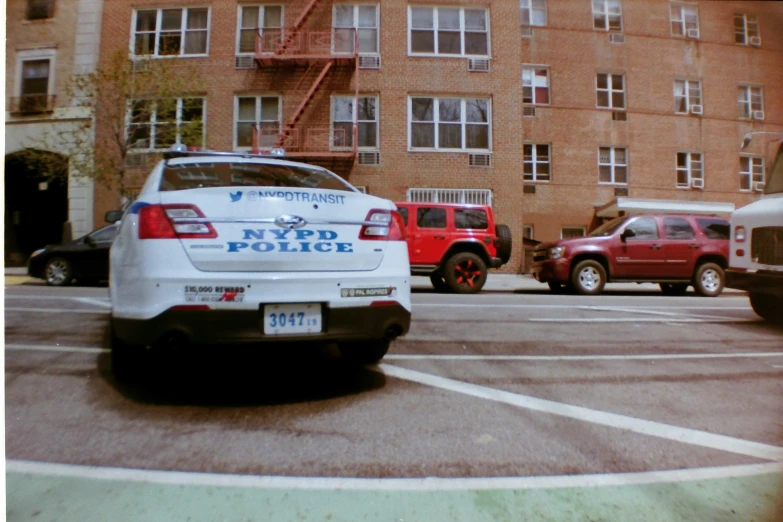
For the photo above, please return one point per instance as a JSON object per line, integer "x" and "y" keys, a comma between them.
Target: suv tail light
{"x": 739, "y": 234}
{"x": 172, "y": 222}
{"x": 390, "y": 226}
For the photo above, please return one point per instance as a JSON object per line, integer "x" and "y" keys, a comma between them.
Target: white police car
{"x": 231, "y": 248}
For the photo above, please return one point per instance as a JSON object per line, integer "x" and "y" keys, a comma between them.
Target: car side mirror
{"x": 113, "y": 216}
{"x": 626, "y": 234}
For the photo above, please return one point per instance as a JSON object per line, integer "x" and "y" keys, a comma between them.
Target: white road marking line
{"x": 613, "y": 420}
{"x": 388, "y": 484}
{"x": 571, "y": 307}
{"x": 635, "y": 320}
{"x": 56, "y": 310}
{"x": 55, "y": 348}
{"x": 55, "y": 297}
{"x": 649, "y": 312}
{"x": 642, "y": 357}
{"x": 93, "y": 301}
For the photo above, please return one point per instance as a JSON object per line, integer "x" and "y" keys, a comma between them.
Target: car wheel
{"x": 709, "y": 280}
{"x": 436, "y": 278}
{"x": 364, "y": 352}
{"x": 767, "y": 306}
{"x": 503, "y": 232}
{"x": 58, "y": 272}
{"x": 126, "y": 360}
{"x": 673, "y": 288}
{"x": 588, "y": 277}
{"x": 465, "y": 273}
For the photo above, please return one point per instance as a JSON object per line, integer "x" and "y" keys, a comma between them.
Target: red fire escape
{"x": 321, "y": 53}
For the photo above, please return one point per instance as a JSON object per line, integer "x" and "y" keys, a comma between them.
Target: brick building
{"x": 548, "y": 109}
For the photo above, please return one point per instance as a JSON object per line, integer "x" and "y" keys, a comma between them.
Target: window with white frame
{"x": 39, "y": 9}
{"x": 686, "y": 94}
{"x": 745, "y": 27}
{"x": 35, "y": 81}
{"x": 610, "y": 90}
{"x": 749, "y": 100}
{"x": 689, "y": 167}
{"x": 751, "y": 171}
{"x": 159, "y": 124}
{"x": 257, "y": 121}
{"x": 533, "y": 12}
{"x": 448, "y": 31}
{"x": 684, "y": 18}
{"x": 613, "y": 165}
{"x": 449, "y": 123}
{"x": 536, "y": 162}
{"x": 359, "y": 20}
{"x": 572, "y": 231}
{"x": 364, "y": 111}
{"x": 170, "y": 32}
{"x": 535, "y": 85}
{"x": 607, "y": 15}
{"x": 265, "y": 21}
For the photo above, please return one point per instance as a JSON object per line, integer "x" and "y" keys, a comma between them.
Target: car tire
{"x": 465, "y": 273}
{"x": 588, "y": 277}
{"x": 438, "y": 282}
{"x": 673, "y": 288}
{"x": 364, "y": 352}
{"x": 767, "y": 306}
{"x": 126, "y": 360}
{"x": 709, "y": 280}
{"x": 58, "y": 272}
{"x": 505, "y": 245}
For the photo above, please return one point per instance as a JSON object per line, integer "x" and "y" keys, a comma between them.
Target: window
{"x": 677, "y": 228}
{"x": 569, "y": 232}
{"x": 106, "y": 234}
{"x": 431, "y": 217}
{"x": 533, "y": 12}
{"x": 535, "y": 85}
{"x": 473, "y": 219}
{"x": 159, "y": 124}
{"x": 40, "y": 9}
{"x": 612, "y": 165}
{"x": 361, "y": 20}
{"x": 685, "y": 20}
{"x": 751, "y": 171}
{"x": 404, "y": 213}
{"x": 746, "y": 27}
{"x": 607, "y": 15}
{"x": 170, "y": 32}
{"x": 448, "y": 31}
{"x": 610, "y": 90}
{"x": 254, "y": 19}
{"x": 35, "y": 78}
{"x": 527, "y": 231}
{"x": 643, "y": 228}
{"x": 536, "y": 162}
{"x": 365, "y": 113}
{"x": 257, "y": 121}
{"x": 689, "y": 167}
{"x": 449, "y": 123}
{"x": 749, "y": 99}
{"x": 714, "y": 228}
{"x": 686, "y": 94}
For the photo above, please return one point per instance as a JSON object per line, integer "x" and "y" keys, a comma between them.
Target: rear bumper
{"x": 756, "y": 282}
{"x": 554, "y": 270}
{"x": 246, "y": 326}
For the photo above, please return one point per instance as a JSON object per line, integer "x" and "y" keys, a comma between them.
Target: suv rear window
{"x": 677, "y": 228}
{"x": 472, "y": 218}
{"x": 714, "y": 228}
{"x": 184, "y": 176}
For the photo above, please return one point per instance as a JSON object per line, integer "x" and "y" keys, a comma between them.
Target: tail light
{"x": 174, "y": 221}
{"x": 739, "y": 234}
{"x": 390, "y": 226}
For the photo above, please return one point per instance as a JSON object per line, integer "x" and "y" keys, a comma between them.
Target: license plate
{"x": 286, "y": 319}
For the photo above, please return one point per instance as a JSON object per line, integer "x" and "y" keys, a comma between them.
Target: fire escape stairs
{"x": 308, "y": 10}
{"x": 308, "y": 98}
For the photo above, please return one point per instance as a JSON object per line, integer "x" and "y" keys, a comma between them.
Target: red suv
{"x": 674, "y": 250}
{"x": 454, "y": 244}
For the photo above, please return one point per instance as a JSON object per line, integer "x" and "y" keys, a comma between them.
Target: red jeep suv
{"x": 674, "y": 250}
{"x": 454, "y": 244}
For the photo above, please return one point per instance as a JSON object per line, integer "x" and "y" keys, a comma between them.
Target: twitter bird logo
{"x": 235, "y": 197}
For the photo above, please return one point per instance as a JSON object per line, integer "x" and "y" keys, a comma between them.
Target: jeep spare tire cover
{"x": 504, "y": 242}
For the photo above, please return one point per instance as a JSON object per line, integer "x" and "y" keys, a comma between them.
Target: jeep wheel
{"x": 588, "y": 277}
{"x": 709, "y": 280}
{"x": 767, "y": 306}
{"x": 503, "y": 233}
{"x": 436, "y": 278}
{"x": 673, "y": 288}
{"x": 364, "y": 352}
{"x": 465, "y": 273}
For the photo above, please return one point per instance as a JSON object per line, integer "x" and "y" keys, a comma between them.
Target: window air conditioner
{"x": 527, "y": 31}
{"x": 479, "y": 160}
{"x": 478, "y": 65}
{"x": 697, "y": 183}
{"x": 758, "y": 186}
{"x": 617, "y": 38}
{"x": 755, "y": 41}
{"x": 369, "y": 158}
{"x": 369, "y": 61}
{"x": 244, "y": 62}
{"x": 758, "y": 115}
{"x": 693, "y": 33}
{"x": 528, "y": 111}
{"x": 696, "y": 109}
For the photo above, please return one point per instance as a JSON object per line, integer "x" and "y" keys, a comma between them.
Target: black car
{"x": 85, "y": 259}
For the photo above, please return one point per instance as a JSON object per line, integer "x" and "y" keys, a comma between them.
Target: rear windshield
{"x": 228, "y": 174}
{"x": 714, "y": 228}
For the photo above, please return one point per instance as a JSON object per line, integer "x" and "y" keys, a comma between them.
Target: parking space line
{"x": 93, "y": 301}
{"x": 647, "y": 357}
{"x": 571, "y": 307}
{"x": 637, "y": 320}
{"x": 613, "y": 420}
{"x": 56, "y": 310}
{"x": 54, "y": 348}
{"x": 649, "y": 312}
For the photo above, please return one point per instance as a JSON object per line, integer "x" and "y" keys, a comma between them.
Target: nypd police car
{"x": 231, "y": 248}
